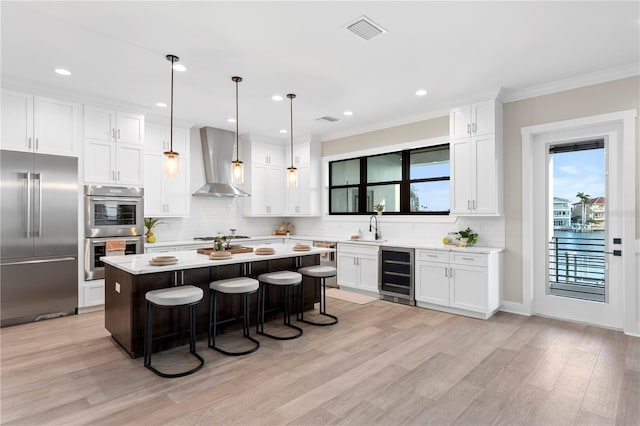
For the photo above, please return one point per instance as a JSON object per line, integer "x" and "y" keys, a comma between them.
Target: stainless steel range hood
{"x": 217, "y": 152}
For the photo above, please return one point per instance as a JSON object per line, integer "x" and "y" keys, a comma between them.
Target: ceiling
{"x": 457, "y": 51}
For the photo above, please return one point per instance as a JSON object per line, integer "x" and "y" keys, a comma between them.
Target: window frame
{"x": 405, "y": 183}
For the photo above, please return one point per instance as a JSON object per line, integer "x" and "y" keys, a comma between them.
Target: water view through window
{"x": 576, "y": 260}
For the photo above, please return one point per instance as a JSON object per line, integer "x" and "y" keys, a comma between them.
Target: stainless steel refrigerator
{"x": 39, "y": 236}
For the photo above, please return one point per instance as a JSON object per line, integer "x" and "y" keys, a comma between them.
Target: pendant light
{"x": 292, "y": 172}
{"x": 171, "y": 164}
{"x": 237, "y": 168}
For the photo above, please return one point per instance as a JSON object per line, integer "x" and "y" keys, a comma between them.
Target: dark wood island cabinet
{"x": 128, "y": 278}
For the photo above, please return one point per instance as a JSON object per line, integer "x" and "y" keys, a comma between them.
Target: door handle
{"x": 474, "y": 128}
{"x": 614, "y": 252}
{"x": 37, "y": 143}
{"x": 118, "y": 133}
{"x": 39, "y": 215}
{"x": 446, "y": 275}
{"x": 28, "y": 179}
{"x": 468, "y": 128}
{"x": 118, "y": 175}
{"x": 29, "y": 143}
{"x": 474, "y": 204}
{"x": 113, "y": 133}
{"x": 468, "y": 204}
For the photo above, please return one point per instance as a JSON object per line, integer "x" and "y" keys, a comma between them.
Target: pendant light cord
{"x": 171, "y": 121}
{"x": 237, "y": 143}
{"x": 291, "y": 96}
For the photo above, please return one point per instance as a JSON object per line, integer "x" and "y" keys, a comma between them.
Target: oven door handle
{"x": 104, "y": 240}
{"x": 135, "y": 200}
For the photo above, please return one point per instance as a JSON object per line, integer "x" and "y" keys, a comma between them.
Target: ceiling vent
{"x": 365, "y": 28}
{"x": 327, "y": 118}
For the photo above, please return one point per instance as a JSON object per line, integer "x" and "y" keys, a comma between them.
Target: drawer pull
{"x": 468, "y": 258}
{"x": 432, "y": 255}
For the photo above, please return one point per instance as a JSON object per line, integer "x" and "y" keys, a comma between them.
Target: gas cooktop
{"x": 234, "y": 237}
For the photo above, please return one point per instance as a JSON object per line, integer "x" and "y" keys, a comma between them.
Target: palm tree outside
{"x": 585, "y": 200}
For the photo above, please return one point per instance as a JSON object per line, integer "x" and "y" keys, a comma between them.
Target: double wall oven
{"x": 112, "y": 214}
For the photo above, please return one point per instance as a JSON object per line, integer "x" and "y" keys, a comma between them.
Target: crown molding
{"x": 71, "y": 96}
{"x": 583, "y": 80}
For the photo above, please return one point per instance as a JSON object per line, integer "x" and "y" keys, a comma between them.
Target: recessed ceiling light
{"x": 421, "y": 92}
{"x": 179, "y": 67}
{"x": 161, "y": 104}
{"x": 283, "y": 131}
{"x": 348, "y": 113}
{"x": 62, "y": 71}
{"x": 231, "y": 120}
{"x": 277, "y": 98}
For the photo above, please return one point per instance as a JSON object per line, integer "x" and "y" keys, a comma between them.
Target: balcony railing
{"x": 577, "y": 268}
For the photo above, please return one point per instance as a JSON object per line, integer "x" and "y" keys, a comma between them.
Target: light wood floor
{"x": 383, "y": 363}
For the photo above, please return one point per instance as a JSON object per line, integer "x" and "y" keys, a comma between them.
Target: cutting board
{"x": 233, "y": 250}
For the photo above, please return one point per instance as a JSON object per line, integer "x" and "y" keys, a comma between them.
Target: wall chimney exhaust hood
{"x": 217, "y": 152}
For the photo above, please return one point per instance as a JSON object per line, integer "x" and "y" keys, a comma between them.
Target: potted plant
{"x": 467, "y": 237}
{"x": 379, "y": 208}
{"x": 150, "y": 223}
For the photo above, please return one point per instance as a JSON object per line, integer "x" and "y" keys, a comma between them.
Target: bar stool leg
{"x": 323, "y": 309}
{"x": 286, "y": 312}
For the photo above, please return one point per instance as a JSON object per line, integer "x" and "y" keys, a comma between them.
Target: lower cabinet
{"x": 358, "y": 267}
{"x": 458, "y": 282}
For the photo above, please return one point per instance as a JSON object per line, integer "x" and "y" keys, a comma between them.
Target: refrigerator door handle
{"x": 28, "y": 179}
{"x": 39, "y": 205}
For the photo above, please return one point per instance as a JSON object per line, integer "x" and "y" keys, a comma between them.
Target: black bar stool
{"x": 286, "y": 280}
{"x": 243, "y": 286}
{"x": 322, "y": 272}
{"x": 184, "y": 295}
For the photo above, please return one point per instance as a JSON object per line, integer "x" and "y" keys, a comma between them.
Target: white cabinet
{"x": 464, "y": 283}
{"x": 476, "y": 160}
{"x": 305, "y": 199}
{"x": 474, "y": 119}
{"x": 265, "y": 177}
{"x": 158, "y": 139}
{"x": 113, "y": 144}
{"x": 38, "y": 124}
{"x": 357, "y": 266}
{"x": 164, "y": 196}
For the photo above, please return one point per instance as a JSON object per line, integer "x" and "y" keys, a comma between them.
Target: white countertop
{"x": 139, "y": 263}
{"x": 423, "y": 246}
{"x": 383, "y": 242}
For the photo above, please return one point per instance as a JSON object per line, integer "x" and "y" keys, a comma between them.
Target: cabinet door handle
{"x": 118, "y": 133}
{"x": 37, "y": 144}
{"x": 29, "y": 143}
{"x": 113, "y": 175}
{"x": 474, "y": 204}
{"x": 468, "y": 204}
{"x": 446, "y": 274}
{"x": 118, "y": 175}
{"x": 474, "y": 128}
{"x": 113, "y": 133}
{"x": 468, "y": 128}
{"x": 450, "y": 272}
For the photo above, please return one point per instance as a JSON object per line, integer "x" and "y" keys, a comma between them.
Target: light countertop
{"x": 423, "y": 246}
{"x": 189, "y": 259}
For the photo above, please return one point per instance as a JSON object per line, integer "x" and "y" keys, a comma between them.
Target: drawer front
{"x": 358, "y": 249}
{"x": 432, "y": 256}
{"x": 471, "y": 259}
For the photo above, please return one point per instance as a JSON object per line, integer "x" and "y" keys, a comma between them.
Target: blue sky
{"x": 579, "y": 171}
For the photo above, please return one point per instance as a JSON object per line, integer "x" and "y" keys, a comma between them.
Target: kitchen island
{"x": 128, "y": 278}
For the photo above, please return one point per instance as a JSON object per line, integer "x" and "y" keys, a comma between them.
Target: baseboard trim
{"x": 514, "y": 308}
{"x": 89, "y": 309}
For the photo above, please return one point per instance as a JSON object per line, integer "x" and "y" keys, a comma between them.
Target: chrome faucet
{"x": 373, "y": 216}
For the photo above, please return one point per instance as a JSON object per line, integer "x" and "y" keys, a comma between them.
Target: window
{"x": 407, "y": 182}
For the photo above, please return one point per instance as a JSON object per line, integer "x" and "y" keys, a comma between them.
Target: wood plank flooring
{"x": 383, "y": 364}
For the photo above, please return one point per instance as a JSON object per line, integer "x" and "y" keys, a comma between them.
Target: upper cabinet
{"x": 164, "y": 196}
{"x": 265, "y": 177}
{"x": 39, "y": 124}
{"x": 304, "y": 200}
{"x": 476, "y": 159}
{"x": 474, "y": 120}
{"x": 113, "y": 147}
